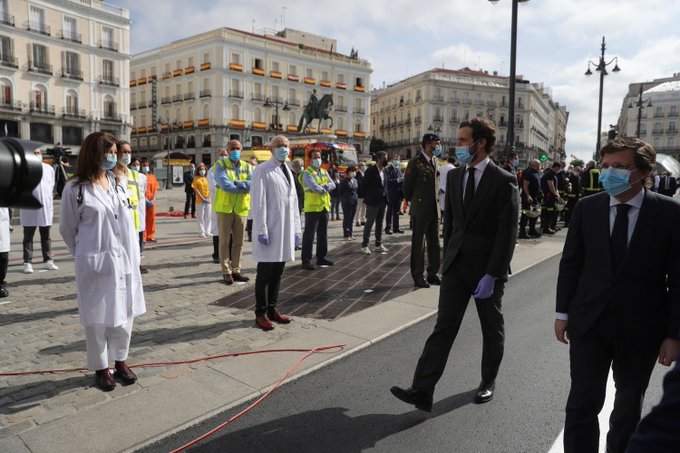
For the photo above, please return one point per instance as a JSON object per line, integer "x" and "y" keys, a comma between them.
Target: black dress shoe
{"x": 434, "y": 280}
{"x": 4, "y": 292}
{"x": 534, "y": 234}
{"x": 421, "y": 283}
{"x": 307, "y": 265}
{"x": 419, "y": 399}
{"x": 324, "y": 262}
{"x": 485, "y": 392}
{"x": 104, "y": 380}
{"x": 523, "y": 236}
{"x": 399, "y": 231}
{"x": 388, "y": 232}
{"x": 548, "y": 231}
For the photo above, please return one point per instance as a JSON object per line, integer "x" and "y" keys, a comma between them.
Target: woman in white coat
{"x": 276, "y": 225}
{"x": 4, "y": 250}
{"x": 98, "y": 227}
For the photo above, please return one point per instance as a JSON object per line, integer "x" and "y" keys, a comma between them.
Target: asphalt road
{"x": 347, "y": 407}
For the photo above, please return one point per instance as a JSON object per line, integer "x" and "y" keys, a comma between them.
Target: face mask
{"x": 281, "y": 153}
{"x": 362, "y": 169}
{"x": 395, "y": 163}
{"x": 515, "y": 163}
{"x": 125, "y": 159}
{"x": 615, "y": 180}
{"x": 109, "y": 161}
{"x": 145, "y": 169}
{"x": 437, "y": 150}
{"x": 193, "y": 170}
{"x": 135, "y": 168}
{"x": 316, "y": 163}
{"x": 235, "y": 154}
{"x": 224, "y": 157}
{"x": 201, "y": 172}
{"x": 352, "y": 174}
{"x": 463, "y": 155}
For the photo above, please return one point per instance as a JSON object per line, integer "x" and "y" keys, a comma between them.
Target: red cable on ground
{"x": 260, "y": 399}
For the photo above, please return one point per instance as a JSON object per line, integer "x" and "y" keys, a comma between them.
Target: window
{"x": 109, "y": 108}
{"x": 671, "y": 126}
{"x": 70, "y": 31}
{"x": 235, "y": 58}
{"x": 359, "y": 82}
{"x": 275, "y": 66}
{"x": 152, "y": 71}
{"x": 72, "y": 135}
{"x": 341, "y": 78}
{"x": 659, "y": 112}
{"x": 324, "y": 75}
{"x": 292, "y": 69}
{"x": 143, "y": 120}
{"x": 257, "y": 63}
{"x": 190, "y": 61}
{"x": 107, "y": 70}
{"x": 5, "y": 92}
{"x": 206, "y": 57}
{"x": 178, "y": 64}
{"x": 39, "y": 56}
{"x": 37, "y": 19}
{"x": 39, "y": 98}
{"x": 206, "y": 111}
{"x": 674, "y": 111}
{"x": 310, "y": 73}
{"x": 107, "y": 38}
{"x": 143, "y": 73}
{"x": 71, "y": 65}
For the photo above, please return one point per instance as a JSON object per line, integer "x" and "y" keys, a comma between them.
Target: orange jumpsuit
{"x": 150, "y": 195}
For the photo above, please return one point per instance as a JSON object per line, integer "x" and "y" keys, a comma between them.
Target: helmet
{"x": 559, "y": 205}
{"x": 533, "y": 212}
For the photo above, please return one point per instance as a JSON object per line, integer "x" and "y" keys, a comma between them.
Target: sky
{"x": 401, "y": 38}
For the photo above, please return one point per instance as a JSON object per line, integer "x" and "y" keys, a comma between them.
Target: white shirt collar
{"x": 481, "y": 165}
{"x": 635, "y": 202}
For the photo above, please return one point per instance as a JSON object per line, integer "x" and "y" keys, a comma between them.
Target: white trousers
{"x": 203, "y": 214}
{"x": 361, "y": 212}
{"x": 107, "y": 343}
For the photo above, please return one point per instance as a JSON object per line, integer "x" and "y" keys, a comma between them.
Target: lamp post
{"x": 510, "y": 142}
{"x": 602, "y": 67}
{"x": 268, "y": 103}
{"x": 162, "y": 123}
{"x": 640, "y": 105}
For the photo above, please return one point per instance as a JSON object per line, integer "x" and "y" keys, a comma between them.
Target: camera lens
{"x": 20, "y": 173}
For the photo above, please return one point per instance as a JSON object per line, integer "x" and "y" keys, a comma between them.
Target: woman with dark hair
{"x": 98, "y": 227}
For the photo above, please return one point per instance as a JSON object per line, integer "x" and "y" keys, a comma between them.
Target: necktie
{"x": 284, "y": 169}
{"x": 469, "y": 190}
{"x": 619, "y": 238}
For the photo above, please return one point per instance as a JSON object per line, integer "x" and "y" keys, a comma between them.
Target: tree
{"x": 377, "y": 145}
{"x": 577, "y": 163}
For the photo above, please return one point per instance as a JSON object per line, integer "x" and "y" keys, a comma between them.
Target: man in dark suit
{"x": 421, "y": 183}
{"x": 618, "y": 295}
{"x": 480, "y": 227}
{"x": 190, "y": 203}
{"x": 668, "y": 185}
{"x": 394, "y": 180}
{"x": 372, "y": 188}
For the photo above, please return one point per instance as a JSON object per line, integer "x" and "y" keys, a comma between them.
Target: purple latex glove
{"x": 263, "y": 239}
{"x": 298, "y": 239}
{"x": 484, "y": 287}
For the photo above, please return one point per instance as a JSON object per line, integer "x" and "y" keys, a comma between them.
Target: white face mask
{"x": 125, "y": 159}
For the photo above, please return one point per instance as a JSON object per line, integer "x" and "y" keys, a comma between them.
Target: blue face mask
{"x": 395, "y": 163}
{"x": 125, "y": 159}
{"x": 463, "y": 154}
{"x": 235, "y": 154}
{"x": 615, "y": 180}
{"x": 201, "y": 172}
{"x": 134, "y": 167}
{"x": 315, "y": 163}
{"x": 515, "y": 163}
{"x": 281, "y": 153}
{"x": 437, "y": 150}
{"x": 109, "y": 162}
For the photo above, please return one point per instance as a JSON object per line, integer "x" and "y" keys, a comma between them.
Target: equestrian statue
{"x": 316, "y": 109}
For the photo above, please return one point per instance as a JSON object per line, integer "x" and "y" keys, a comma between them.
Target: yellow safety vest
{"x": 316, "y": 202}
{"x": 228, "y": 202}
{"x": 133, "y": 193}
{"x": 592, "y": 185}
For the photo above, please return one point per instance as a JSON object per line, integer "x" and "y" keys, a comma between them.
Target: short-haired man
{"x": 372, "y": 188}
{"x": 480, "y": 228}
{"x": 551, "y": 196}
{"x": 618, "y": 293}
{"x": 421, "y": 186}
{"x": 232, "y": 203}
{"x": 317, "y": 184}
{"x": 190, "y": 202}
{"x": 531, "y": 189}
{"x": 395, "y": 180}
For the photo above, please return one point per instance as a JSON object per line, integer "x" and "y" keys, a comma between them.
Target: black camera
{"x": 20, "y": 172}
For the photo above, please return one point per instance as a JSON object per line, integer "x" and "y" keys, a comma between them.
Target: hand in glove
{"x": 484, "y": 287}
{"x": 298, "y": 239}
{"x": 263, "y": 239}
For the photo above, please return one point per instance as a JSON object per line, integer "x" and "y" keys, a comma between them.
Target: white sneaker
{"x": 28, "y": 268}
{"x": 50, "y": 266}
{"x": 381, "y": 248}
{"x": 365, "y": 251}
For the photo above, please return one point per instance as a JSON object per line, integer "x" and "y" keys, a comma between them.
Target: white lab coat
{"x": 100, "y": 234}
{"x": 443, "y": 172}
{"x": 274, "y": 205}
{"x": 44, "y": 193}
{"x": 4, "y": 230}
{"x": 141, "y": 206}
{"x": 212, "y": 186}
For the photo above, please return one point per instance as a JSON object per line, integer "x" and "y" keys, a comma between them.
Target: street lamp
{"x": 268, "y": 103}
{"x": 510, "y": 143}
{"x": 640, "y": 105}
{"x": 602, "y": 67}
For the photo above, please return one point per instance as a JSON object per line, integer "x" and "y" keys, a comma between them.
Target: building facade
{"x": 650, "y": 110}
{"x": 196, "y": 94}
{"x": 439, "y": 99}
{"x": 64, "y": 68}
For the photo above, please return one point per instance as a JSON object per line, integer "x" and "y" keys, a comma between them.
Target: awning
{"x": 177, "y": 158}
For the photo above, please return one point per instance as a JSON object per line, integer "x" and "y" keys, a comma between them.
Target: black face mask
{"x": 384, "y": 163}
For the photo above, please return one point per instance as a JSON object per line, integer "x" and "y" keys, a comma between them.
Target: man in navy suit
{"x": 618, "y": 295}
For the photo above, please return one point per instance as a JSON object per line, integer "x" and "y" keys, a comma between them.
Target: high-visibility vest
{"x": 133, "y": 193}
{"x": 228, "y": 202}
{"x": 316, "y": 202}
{"x": 593, "y": 181}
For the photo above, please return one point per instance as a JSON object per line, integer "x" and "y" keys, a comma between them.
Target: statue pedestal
{"x": 312, "y": 138}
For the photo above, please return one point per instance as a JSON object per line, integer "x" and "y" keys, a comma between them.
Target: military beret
{"x": 430, "y": 138}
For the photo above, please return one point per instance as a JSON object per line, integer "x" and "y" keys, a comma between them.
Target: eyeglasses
{"x": 618, "y": 166}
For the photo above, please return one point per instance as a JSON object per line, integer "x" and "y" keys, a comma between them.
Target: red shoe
{"x": 278, "y": 317}
{"x": 264, "y": 323}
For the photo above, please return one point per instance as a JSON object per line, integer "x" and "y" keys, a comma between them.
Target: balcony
{"x": 72, "y": 113}
{"x": 37, "y": 27}
{"x": 455, "y": 100}
{"x": 9, "y": 105}
{"x": 671, "y": 130}
{"x": 205, "y": 93}
{"x": 70, "y": 36}
{"x": 133, "y": 106}
{"x": 658, "y": 115}
{"x": 294, "y": 102}
{"x": 189, "y": 96}
{"x": 359, "y": 111}
{"x": 108, "y": 45}
{"x": 437, "y": 98}
{"x": 657, "y": 131}
{"x": 7, "y": 19}
{"x": 341, "y": 108}
{"x": 108, "y": 80}
{"x": 177, "y": 98}
{"x": 111, "y": 116}
{"x": 205, "y": 66}
{"x": 40, "y": 67}
{"x": 166, "y": 75}
{"x": 454, "y": 120}
{"x": 491, "y": 103}
{"x": 479, "y": 102}
{"x": 40, "y": 108}
{"x": 72, "y": 73}
{"x": 418, "y": 120}
{"x": 236, "y": 94}
{"x": 467, "y": 101}
{"x": 166, "y": 100}
{"x": 258, "y": 97}
{"x": 672, "y": 113}
{"x": 438, "y": 119}
{"x": 9, "y": 61}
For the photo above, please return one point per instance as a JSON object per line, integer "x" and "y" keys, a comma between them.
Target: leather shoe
{"x": 264, "y": 323}
{"x": 388, "y": 232}
{"x": 228, "y": 279}
{"x": 523, "y": 236}
{"x": 433, "y": 280}
{"x": 485, "y": 392}
{"x": 307, "y": 265}
{"x": 324, "y": 262}
{"x": 4, "y": 292}
{"x": 239, "y": 277}
{"x": 548, "y": 231}
{"x": 275, "y": 316}
{"x": 419, "y": 399}
{"x": 399, "y": 231}
{"x": 421, "y": 283}
{"x": 143, "y": 270}
{"x": 124, "y": 373}
{"x": 104, "y": 380}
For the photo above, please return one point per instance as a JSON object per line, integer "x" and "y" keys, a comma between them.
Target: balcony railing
{"x": 455, "y": 100}
{"x": 70, "y": 36}
{"x": 257, "y": 97}
{"x": 491, "y": 103}
{"x": 166, "y": 100}
{"x": 438, "y": 98}
{"x": 177, "y": 98}
{"x": 9, "y": 61}
{"x": 294, "y": 102}
{"x": 111, "y": 116}
{"x": 673, "y": 113}
{"x": 671, "y": 130}
{"x": 109, "y": 80}
{"x": 190, "y": 96}
{"x": 236, "y": 94}
{"x": 657, "y": 131}
{"x": 454, "y": 120}
{"x": 108, "y": 45}
{"x": 418, "y": 119}
{"x": 73, "y": 113}
{"x": 133, "y": 106}
{"x": 9, "y": 105}
{"x": 39, "y": 67}
{"x": 37, "y": 27}
{"x": 7, "y": 19}
{"x": 42, "y": 108}
{"x": 341, "y": 108}
{"x": 467, "y": 101}
{"x": 658, "y": 114}
{"x": 72, "y": 73}
{"x": 359, "y": 111}
{"x": 438, "y": 119}
{"x": 205, "y": 93}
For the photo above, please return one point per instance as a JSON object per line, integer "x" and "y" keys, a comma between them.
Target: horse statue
{"x": 319, "y": 110}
